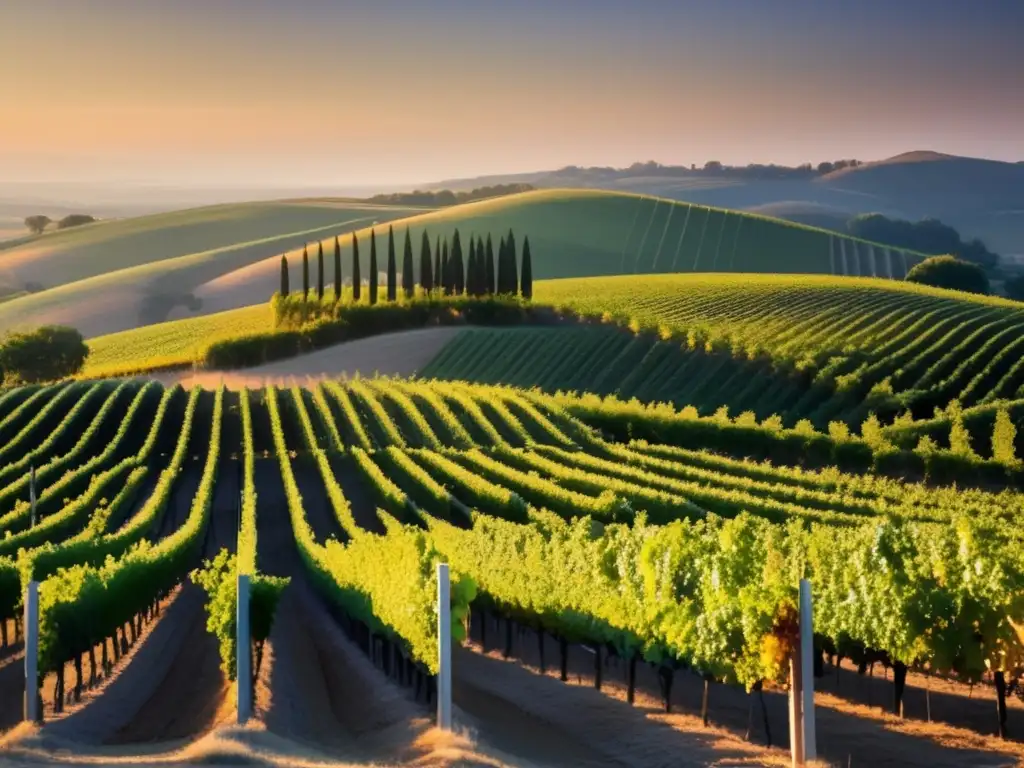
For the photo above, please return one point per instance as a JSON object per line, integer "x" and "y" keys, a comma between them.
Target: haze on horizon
{"x": 397, "y": 92}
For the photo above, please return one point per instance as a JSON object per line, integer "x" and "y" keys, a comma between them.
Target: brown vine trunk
{"x": 483, "y": 630}
{"x": 117, "y": 647}
{"x": 899, "y": 680}
{"x": 704, "y": 701}
{"x": 764, "y": 712}
{"x": 508, "y": 637}
{"x": 58, "y": 691}
{"x": 665, "y": 677}
{"x": 92, "y": 666}
{"x": 540, "y": 648}
{"x": 597, "y": 667}
{"x": 1000, "y": 681}
{"x": 3, "y": 633}
{"x": 78, "y": 677}
{"x": 105, "y": 659}
{"x": 563, "y": 651}
{"x": 631, "y": 680}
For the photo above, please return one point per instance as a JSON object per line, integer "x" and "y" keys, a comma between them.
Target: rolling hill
{"x": 573, "y": 233}
{"x": 981, "y": 198}
{"x": 113, "y": 275}
{"x": 579, "y": 233}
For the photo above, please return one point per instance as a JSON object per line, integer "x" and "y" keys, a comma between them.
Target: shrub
{"x": 47, "y": 353}
{"x": 949, "y": 272}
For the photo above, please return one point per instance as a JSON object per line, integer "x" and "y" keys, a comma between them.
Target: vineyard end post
{"x": 32, "y": 711}
{"x": 444, "y": 643}
{"x": 243, "y": 645}
{"x": 807, "y": 670}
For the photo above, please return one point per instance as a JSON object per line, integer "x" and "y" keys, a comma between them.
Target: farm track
{"x": 172, "y": 688}
{"x": 845, "y": 729}
{"x": 315, "y": 687}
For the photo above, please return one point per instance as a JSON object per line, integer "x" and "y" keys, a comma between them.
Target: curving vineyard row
{"x": 553, "y": 512}
{"x": 802, "y": 347}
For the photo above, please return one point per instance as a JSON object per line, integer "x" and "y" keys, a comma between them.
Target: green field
{"x": 165, "y": 345}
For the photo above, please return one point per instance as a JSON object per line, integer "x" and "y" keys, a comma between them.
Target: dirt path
{"x": 847, "y": 734}
{"x": 171, "y": 688}
{"x": 392, "y": 354}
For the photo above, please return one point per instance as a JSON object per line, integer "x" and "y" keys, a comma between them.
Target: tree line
{"x": 443, "y": 197}
{"x": 451, "y": 268}
{"x": 38, "y": 223}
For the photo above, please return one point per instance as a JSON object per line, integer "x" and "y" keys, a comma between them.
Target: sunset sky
{"x": 406, "y": 91}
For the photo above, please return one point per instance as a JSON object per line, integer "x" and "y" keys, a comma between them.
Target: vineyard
{"x": 570, "y": 518}
{"x": 803, "y": 348}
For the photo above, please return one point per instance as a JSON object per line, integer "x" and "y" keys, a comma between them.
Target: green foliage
{"x": 45, "y": 354}
{"x": 81, "y": 605}
{"x": 408, "y": 276}
{"x": 285, "y": 288}
{"x": 1014, "y": 287}
{"x": 392, "y": 267}
{"x": 373, "y": 267}
{"x": 949, "y": 272}
{"x": 337, "y": 270}
{"x": 320, "y": 271}
{"x": 1004, "y": 433}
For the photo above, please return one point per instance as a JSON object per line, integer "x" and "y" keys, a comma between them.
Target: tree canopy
{"x": 47, "y": 353}
{"x": 950, "y": 272}
{"x": 36, "y": 224}
{"x": 927, "y": 236}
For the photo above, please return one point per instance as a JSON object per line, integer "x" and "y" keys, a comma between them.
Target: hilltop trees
{"x": 357, "y": 283}
{"x": 337, "y": 270}
{"x": 454, "y": 267}
{"x": 408, "y": 278}
{"x": 285, "y": 287}
{"x": 927, "y": 236}
{"x": 949, "y": 272}
{"x": 373, "y": 267}
{"x": 392, "y": 267}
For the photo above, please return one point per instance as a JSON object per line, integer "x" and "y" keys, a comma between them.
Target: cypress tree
{"x": 513, "y": 270}
{"x": 357, "y": 282}
{"x": 446, "y": 272}
{"x": 527, "y": 281}
{"x": 285, "y": 288}
{"x": 438, "y": 272}
{"x": 458, "y": 270}
{"x": 337, "y": 270}
{"x": 392, "y": 266}
{"x": 373, "y": 267}
{"x": 471, "y": 281}
{"x": 490, "y": 275}
{"x": 408, "y": 278}
{"x": 426, "y": 265}
{"x": 502, "y": 267}
{"x": 320, "y": 271}
{"x": 305, "y": 274}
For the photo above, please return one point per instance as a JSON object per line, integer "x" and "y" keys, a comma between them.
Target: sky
{"x": 397, "y": 92}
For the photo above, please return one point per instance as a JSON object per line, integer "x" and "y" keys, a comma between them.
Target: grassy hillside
{"x": 112, "y": 276}
{"x": 576, "y": 233}
{"x": 572, "y": 233}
